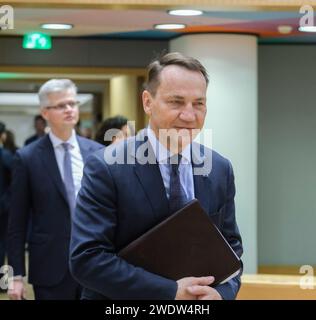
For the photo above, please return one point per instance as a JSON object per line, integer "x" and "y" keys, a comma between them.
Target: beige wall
{"x": 124, "y": 96}
{"x": 125, "y": 99}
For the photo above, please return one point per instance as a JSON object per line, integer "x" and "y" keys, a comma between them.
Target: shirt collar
{"x": 162, "y": 153}
{"x": 57, "y": 141}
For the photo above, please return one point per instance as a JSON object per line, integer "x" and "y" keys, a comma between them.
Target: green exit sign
{"x": 37, "y": 40}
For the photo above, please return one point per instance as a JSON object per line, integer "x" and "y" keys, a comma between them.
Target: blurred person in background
{"x": 39, "y": 126}
{"x": 9, "y": 143}
{"x": 119, "y": 130}
{"x": 6, "y": 158}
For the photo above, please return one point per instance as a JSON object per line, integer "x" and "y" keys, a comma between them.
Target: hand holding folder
{"x": 185, "y": 244}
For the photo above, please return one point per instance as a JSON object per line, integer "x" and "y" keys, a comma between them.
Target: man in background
{"x": 117, "y": 128}
{"x": 6, "y": 158}
{"x": 46, "y": 179}
{"x": 39, "y": 126}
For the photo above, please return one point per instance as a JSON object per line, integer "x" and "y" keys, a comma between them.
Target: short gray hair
{"x": 54, "y": 85}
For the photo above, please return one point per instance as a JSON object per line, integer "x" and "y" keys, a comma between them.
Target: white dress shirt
{"x": 76, "y": 157}
{"x": 185, "y": 167}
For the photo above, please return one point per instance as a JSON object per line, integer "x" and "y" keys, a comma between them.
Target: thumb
{"x": 205, "y": 281}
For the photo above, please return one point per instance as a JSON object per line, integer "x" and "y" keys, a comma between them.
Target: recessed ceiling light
{"x": 185, "y": 12}
{"x": 57, "y": 26}
{"x": 307, "y": 29}
{"x": 169, "y": 26}
{"x": 284, "y": 29}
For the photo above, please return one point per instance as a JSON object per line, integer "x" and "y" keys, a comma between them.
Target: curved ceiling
{"x": 135, "y": 19}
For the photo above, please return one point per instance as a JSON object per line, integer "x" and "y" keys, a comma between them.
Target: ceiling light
{"x": 169, "y": 26}
{"x": 307, "y": 29}
{"x": 185, "y": 12}
{"x": 57, "y": 26}
{"x": 285, "y": 29}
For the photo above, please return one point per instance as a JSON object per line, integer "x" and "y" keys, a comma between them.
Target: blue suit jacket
{"x": 119, "y": 202}
{"x": 37, "y": 188}
{"x": 6, "y": 159}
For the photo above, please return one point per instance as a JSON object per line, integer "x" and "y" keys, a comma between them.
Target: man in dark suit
{"x": 46, "y": 179}
{"x": 6, "y": 159}
{"x": 131, "y": 187}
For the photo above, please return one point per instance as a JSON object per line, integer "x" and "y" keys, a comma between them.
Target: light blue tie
{"x": 68, "y": 178}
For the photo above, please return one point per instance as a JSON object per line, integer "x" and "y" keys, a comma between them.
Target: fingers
{"x": 206, "y": 297}
{"x": 198, "y": 290}
{"x": 203, "y": 281}
{"x": 198, "y": 286}
{"x": 204, "y": 292}
{"x": 17, "y": 292}
{"x": 15, "y": 296}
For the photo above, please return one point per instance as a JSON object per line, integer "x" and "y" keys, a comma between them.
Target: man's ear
{"x": 147, "y": 102}
{"x": 44, "y": 113}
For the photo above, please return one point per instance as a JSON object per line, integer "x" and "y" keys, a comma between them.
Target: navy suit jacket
{"x": 119, "y": 202}
{"x": 6, "y": 159}
{"x": 37, "y": 189}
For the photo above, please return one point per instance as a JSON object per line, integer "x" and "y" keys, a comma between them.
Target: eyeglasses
{"x": 63, "y": 106}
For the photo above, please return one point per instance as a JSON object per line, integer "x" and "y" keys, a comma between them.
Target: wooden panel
{"x": 275, "y": 287}
{"x": 289, "y": 269}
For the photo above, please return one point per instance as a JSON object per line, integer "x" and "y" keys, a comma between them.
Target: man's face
{"x": 3, "y": 137}
{"x": 61, "y": 119}
{"x": 179, "y": 103}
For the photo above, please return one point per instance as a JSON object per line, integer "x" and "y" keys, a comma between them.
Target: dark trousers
{"x": 3, "y": 251}
{"x": 2, "y": 257}
{"x": 3, "y": 235}
{"x": 67, "y": 289}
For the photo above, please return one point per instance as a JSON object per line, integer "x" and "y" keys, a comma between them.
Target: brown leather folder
{"x": 185, "y": 244}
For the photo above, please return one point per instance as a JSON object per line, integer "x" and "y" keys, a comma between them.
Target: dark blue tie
{"x": 177, "y": 197}
{"x": 68, "y": 178}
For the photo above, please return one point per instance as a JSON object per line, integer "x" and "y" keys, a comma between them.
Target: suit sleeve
{"x": 19, "y": 215}
{"x": 93, "y": 259}
{"x": 7, "y": 159}
{"x": 230, "y": 231}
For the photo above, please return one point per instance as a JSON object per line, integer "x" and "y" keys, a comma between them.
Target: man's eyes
{"x": 177, "y": 102}
{"x": 198, "y": 104}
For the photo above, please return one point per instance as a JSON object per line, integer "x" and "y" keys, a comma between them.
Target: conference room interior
{"x": 261, "y": 106}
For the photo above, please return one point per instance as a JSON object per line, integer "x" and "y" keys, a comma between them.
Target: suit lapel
{"x": 49, "y": 160}
{"x": 148, "y": 173}
{"x": 84, "y": 148}
{"x": 151, "y": 180}
{"x": 202, "y": 183}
